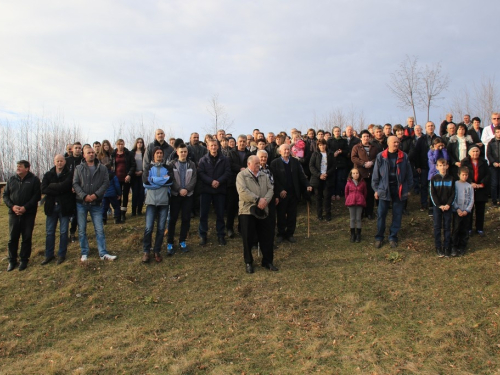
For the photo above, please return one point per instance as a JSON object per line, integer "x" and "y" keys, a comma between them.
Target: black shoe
{"x": 72, "y": 238}
{"x": 270, "y": 267}
{"x": 353, "y": 235}
{"x": 222, "y": 241}
{"x": 48, "y": 260}
{"x": 249, "y": 268}
{"x": 431, "y": 212}
{"x": 118, "y": 220}
{"x": 454, "y": 252}
{"x": 23, "y": 265}
{"x": 139, "y": 211}
{"x": 393, "y": 244}
{"x": 378, "y": 244}
{"x": 358, "y": 235}
{"x": 123, "y": 216}
{"x": 203, "y": 241}
{"x": 60, "y": 260}
{"x": 328, "y": 218}
{"x": 279, "y": 239}
{"x": 291, "y": 239}
{"x": 406, "y": 212}
{"x": 230, "y": 233}
{"x": 12, "y": 266}
{"x": 439, "y": 252}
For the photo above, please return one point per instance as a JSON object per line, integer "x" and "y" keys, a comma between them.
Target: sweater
{"x": 442, "y": 190}
{"x": 464, "y": 197}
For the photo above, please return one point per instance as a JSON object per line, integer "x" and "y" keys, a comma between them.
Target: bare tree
{"x": 461, "y": 103}
{"x": 487, "y": 98}
{"x": 405, "y": 84}
{"x": 219, "y": 116}
{"x": 433, "y": 83}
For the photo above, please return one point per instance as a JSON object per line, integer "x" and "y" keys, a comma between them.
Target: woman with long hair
{"x": 104, "y": 155}
{"x": 137, "y": 188}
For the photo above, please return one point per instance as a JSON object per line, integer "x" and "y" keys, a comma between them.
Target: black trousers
{"x": 460, "y": 234}
{"x": 125, "y": 193}
{"x": 20, "y": 226}
{"x": 179, "y": 205}
{"x": 232, "y": 199}
{"x": 323, "y": 199}
{"x": 370, "y": 197}
{"x": 257, "y": 230}
{"x": 286, "y": 212}
{"x": 480, "y": 208}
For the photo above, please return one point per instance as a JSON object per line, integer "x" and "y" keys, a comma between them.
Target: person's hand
{"x": 323, "y": 176}
{"x": 419, "y": 171}
{"x": 276, "y": 201}
{"x": 376, "y": 195}
{"x": 215, "y": 184}
{"x": 283, "y": 194}
{"x": 458, "y": 164}
{"x": 309, "y": 188}
{"x": 183, "y": 192}
{"x": 262, "y": 203}
{"x": 242, "y": 169}
{"x": 138, "y": 173}
{"x": 127, "y": 179}
{"x": 88, "y": 199}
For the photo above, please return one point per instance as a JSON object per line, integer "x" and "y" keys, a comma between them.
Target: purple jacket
{"x": 433, "y": 156}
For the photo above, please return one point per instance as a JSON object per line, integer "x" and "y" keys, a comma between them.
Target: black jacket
{"x": 58, "y": 188}
{"x": 72, "y": 162}
{"x": 129, "y": 161}
{"x": 335, "y": 144}
{"x": 25, "y": 192}
{"x": 299, "y": 179}
{"x": 442, "y": 190}
{"x": 419, "y": 154}
{"x": 480, "y": 195}
{"x": 315, "y": 168}
{"x": 493, "y": 151}
{"x": 236, "y": 164}
{"x": 210, "y": 169}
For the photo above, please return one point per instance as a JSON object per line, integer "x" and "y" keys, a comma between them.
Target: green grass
{"x": 334, "y": 307}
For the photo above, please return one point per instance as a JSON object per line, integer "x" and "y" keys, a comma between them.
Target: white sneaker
{"x": 83, "y": 258}
{"x": 108, "y": 257}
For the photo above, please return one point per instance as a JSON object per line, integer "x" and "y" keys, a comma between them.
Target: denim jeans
{"x": 82, "y": 210}
{"x": 152, "y": 212}
{"x": 397, "y": 215}
{"x": 442, "y": 220}
{"x": 50, "y": 229}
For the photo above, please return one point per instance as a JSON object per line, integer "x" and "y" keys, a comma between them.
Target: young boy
{"x": 442, "y": 192}
{"x": 462, "y": 207}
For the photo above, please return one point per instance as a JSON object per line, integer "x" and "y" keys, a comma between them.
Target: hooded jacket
{"x": 157, "y": 179}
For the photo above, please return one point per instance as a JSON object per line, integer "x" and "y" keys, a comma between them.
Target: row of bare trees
{"x": 339, "y": 117}
{"x": 36, "y": 140}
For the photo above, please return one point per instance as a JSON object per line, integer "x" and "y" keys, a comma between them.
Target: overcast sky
{"x": 274, "y": 64}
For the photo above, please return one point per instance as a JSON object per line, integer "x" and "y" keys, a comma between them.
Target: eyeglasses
{"x": 495, "y": 118}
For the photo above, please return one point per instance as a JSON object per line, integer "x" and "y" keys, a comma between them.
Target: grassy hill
{"x": 333, "y": 307}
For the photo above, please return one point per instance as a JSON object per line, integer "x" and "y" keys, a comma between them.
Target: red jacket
{"x": 355, "y": 195}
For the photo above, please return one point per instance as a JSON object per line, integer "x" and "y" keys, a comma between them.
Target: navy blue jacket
{"x": 210, "y": 169}
{"x": 380, "y": 177}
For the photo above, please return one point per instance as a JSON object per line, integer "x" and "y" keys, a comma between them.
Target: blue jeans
{"x": 82, "y": 210}
{"x": 442, "y": 220}
{"x": 219, "y": 202}
{"x": 50, "y": 229}
{"x": 152, "y": 212}
{"x": 397, "y": 215}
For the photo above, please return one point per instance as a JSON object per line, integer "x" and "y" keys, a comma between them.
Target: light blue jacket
{"x": 157, "y": 179}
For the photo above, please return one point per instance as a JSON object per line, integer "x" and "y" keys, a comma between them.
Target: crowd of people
{"x": 257, "y": 181}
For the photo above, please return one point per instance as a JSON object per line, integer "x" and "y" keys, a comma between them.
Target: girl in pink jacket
{"x": 355, "y": 200}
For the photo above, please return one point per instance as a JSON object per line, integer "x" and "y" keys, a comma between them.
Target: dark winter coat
{"x": 58, "y": 188}
{"x": 25, "y": 193}
{"x": 480, "y": 195}
{"x": 210, "y": 169}
{"x": 129, "y": 161}
{"x": 315, "y": 168}
{"x": 380, "y": 178}
{"x": 335, "y": 144}
{"x": 299, "y": 179}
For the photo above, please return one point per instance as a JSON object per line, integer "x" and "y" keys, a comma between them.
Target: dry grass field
{"x": 333, "y": 307}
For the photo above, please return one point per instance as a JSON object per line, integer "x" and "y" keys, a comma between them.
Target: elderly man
{"x": 467, "y": 122}
{"x": 289, "y": 183}
{"x": 378, "y": 137}
{"x": 451, "y": 130}
{"x": 21, "y": 196}
{"x": 391, "y": 182}
{"x": 158, "y": 142}
{"x": 59, "y": 206}
{"x": 255, "y": 191}
{"x": 90, "y": 182}
{"x": 410, "y": 127}
{"x": 489, "y": 132}
{"x": 444, "y": 124}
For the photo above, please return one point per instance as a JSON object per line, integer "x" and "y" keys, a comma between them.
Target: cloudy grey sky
{"x": 274, "y": 64}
